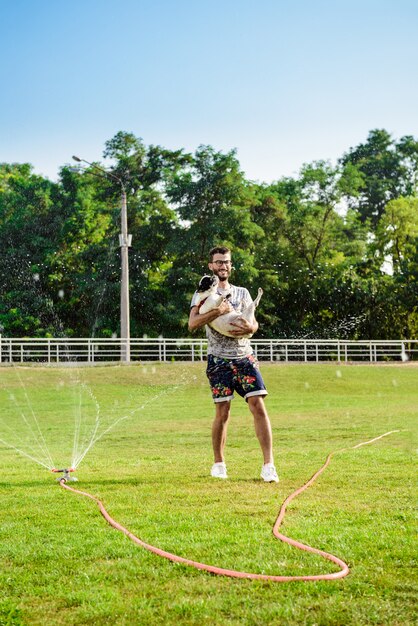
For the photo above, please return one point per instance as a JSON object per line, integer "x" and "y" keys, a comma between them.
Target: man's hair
{"x": 218, "y": 250}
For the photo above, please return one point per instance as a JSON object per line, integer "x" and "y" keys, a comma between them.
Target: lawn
{"x": 143, "y": 436}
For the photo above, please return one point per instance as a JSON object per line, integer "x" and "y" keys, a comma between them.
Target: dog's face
{"x": 207, "y": 283}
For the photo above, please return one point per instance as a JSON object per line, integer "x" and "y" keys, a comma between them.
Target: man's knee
{"x": 256, "y": 404}
{"x": 223, "y": 410}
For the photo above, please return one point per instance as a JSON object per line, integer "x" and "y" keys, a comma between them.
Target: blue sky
{"x": 285, "y": 82}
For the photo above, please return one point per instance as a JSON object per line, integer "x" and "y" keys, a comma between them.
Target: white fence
{"x": 92, "y": 350}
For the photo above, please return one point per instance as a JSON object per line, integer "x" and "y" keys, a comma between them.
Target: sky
{"x": 284, "y": 82}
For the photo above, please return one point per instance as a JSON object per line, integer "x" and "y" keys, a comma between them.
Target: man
{"x": 232, "y": 367}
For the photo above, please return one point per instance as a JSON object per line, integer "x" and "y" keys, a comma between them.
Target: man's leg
{"x": 219, "y": 429}
{"x": 262, "y": 426}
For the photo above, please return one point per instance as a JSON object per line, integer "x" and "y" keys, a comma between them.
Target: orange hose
{"x": 344, "y": 570}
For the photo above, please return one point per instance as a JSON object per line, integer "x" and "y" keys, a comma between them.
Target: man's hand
{"x": 224, "y": 307}
{"x": 243, "y": 327}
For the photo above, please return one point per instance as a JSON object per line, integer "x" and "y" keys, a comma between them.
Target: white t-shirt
{"x": 220, "y": 345}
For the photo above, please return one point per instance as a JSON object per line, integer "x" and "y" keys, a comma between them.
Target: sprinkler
{"x": 66, "y": 474}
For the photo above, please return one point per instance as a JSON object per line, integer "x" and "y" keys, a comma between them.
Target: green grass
{"x": 61, "y": 563}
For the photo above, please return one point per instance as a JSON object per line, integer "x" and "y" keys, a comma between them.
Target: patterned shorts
{"x": 229, "y": 375}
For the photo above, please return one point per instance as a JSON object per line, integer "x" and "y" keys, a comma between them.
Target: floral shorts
{"x": 229, "y": 375}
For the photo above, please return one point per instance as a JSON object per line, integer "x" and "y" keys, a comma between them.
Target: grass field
{"x": 61, "y": 563}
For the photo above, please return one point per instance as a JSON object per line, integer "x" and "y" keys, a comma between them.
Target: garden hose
{"x": 344, "y": 569}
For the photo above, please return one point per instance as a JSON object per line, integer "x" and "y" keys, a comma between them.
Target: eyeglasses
{"x": 220, "y": 263}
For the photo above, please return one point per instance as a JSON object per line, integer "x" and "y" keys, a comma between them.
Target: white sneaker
{"x": 269, "y": 474}
{"x": 219, "y": 470}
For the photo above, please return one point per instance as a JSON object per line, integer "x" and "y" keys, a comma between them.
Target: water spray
{"x": 66, "y": 474}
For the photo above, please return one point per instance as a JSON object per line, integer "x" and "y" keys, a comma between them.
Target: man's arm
{"x": 244, "y": 328}
{"x": 197, "y": 320}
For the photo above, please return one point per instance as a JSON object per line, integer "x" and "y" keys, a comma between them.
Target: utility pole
{"x": 125, "y": 242}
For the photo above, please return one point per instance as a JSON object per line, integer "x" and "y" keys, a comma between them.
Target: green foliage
{"x": 334, "y": 248}
{"x": 398, "y": 232}
{"x": 387, "y": 169}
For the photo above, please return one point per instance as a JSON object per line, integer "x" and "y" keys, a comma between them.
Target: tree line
{"x": 334, "y": 248}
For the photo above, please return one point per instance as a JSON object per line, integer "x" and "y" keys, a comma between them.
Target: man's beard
{"x": 225, "y": 274}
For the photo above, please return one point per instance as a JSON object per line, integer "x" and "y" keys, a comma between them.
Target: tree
{"x": 141, "y": 167}
{"x": 212, "y": 201}
{"x": 29, "y": 224}
{"x": 397, "y": 234}
{"x": 310, "y": 245}
{"x": 387, "y": 169}
{"x": 146, "y": 172}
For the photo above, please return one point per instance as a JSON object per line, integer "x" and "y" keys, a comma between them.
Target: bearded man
{"x": 231, "y": 366}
